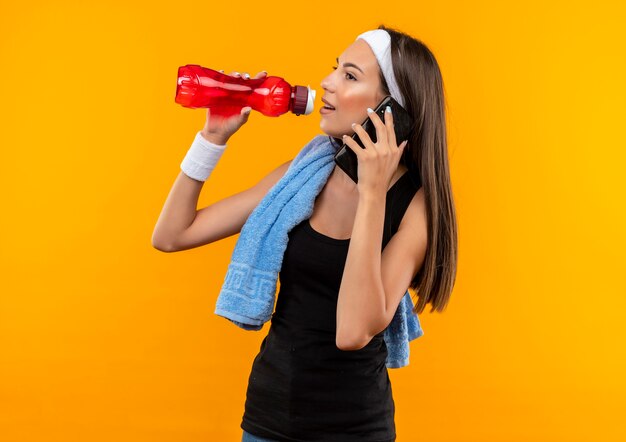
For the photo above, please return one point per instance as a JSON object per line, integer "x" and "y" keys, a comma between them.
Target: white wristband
{"x": 201, "y": 158}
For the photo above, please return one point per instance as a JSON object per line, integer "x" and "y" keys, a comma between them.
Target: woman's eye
{"x": 335, "y": 67}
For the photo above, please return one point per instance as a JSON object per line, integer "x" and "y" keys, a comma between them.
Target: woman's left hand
{"x": 378, "y": 162}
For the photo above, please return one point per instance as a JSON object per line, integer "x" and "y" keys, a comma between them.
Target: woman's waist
{"x": 317, "y": 347}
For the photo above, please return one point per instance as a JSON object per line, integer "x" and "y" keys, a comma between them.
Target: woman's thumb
{"x": 246, "y": 111}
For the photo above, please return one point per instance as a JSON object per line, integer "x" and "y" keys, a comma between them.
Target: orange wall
{"x": 104, "y": 338}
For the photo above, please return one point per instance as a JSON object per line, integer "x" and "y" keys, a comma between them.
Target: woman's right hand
{"x": 218, "y": 129}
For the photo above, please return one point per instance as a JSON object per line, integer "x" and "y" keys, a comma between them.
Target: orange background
{"x": 102, "y": 337}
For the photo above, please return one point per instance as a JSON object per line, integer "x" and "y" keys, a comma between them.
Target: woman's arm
{"x": 180, "y": 226}
{"x": 178, "y": 211}
{"x": 374, "y": 282}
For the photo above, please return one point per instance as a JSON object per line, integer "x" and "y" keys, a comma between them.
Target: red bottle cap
{"x": 303, "y": 100}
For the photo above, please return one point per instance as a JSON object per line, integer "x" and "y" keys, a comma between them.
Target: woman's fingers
{"x": 245, "y": 75}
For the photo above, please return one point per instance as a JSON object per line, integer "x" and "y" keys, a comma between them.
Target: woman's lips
{"x": 325, "y": 110}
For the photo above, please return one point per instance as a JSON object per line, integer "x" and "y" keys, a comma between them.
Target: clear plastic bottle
{"x": 226, "y": 95}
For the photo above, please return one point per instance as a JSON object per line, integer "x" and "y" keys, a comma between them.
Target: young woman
{"x": 320, "y": 374}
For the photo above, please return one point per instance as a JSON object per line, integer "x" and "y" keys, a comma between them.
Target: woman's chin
{"x": 337, "y": 137}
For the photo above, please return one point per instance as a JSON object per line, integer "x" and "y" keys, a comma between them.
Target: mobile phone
{"x": 403, "y": 124}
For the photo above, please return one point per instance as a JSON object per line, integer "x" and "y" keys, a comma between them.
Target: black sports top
{"x": 302, "y": 387}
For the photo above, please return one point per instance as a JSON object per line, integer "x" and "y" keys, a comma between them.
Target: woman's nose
{"x": 325, "y": 83}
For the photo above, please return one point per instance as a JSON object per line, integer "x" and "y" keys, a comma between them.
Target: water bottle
{"x": 198, "y": 86}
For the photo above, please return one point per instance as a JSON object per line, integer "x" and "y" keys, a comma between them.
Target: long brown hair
{"x": 419, "y": 79}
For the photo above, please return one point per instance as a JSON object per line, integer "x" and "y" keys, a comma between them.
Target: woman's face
{"x": 351, "y": 89}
